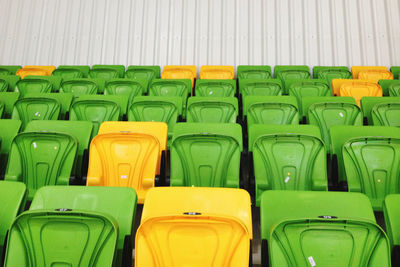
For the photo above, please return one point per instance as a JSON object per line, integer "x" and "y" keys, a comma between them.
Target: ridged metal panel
{"x": 200, "y": 32}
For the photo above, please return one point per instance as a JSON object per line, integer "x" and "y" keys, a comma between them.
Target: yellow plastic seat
{"x": 179, "y": 72}
{"x": 356, "y": 88}
{"x": 194, "y": 226}
{"x": 217, "y": 72}
{"x": 375, "y": 75}
{"x": 356, "y": 70}
{"x": 35, "y": 70}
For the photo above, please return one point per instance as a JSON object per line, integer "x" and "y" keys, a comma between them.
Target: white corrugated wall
{"x": 200, "y": 32}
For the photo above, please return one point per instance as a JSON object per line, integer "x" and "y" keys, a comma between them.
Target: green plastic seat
{"x": 291, "y": 72}
{"x": 62, "y": 238}
{"x": 9, "y": 69}
{"x": 143, "y": 72}
{"x": 81, "y": 86}
{"x": 396, "y": 72}
{"x": 385, "y": 115}
{"x": 119, "y": 68}
{"x": 260, "y": 87}
{"x": 307, "y": 87}
{"x": 68, "y": 73}
{"x": 11, "y": 80}
{"x": 65, "y": 100}
{"x": 171, "y": 87}
{"x": 287, "y": 157}
{"x": 28, "y": 109}
{"x": 326, "y": 112}
{"x": 54, "y": 80}
{"x": 12, "y": 198}
{"x": 270, "y": 110}
{"x": 41, "y": 158}
{"x": 391, "y": 213}
{"x": 9, "y": 129}
{"x": 300, "y": 228}
{"x": 215, "y": 88}
{"x": 126, "y": 87}
{"x": 33, "y": 86}
{"x": 81, "y": 130}
{"x": 117, "y": 202}
{"x": 254, "y": 72}
{"x": 368, "y": 160}
{"x": 212, "y": 109}
{"x": 8, "y": 99}
{"x": 328, "y": 73}
{"x": 390, "y": 87}
{"x": 97, "y": 110}
{"x": 206, "y": 155}
{"x": 84, "y": 69}
{"x": 157, "y": 108}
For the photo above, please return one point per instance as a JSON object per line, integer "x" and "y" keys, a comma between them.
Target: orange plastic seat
{"x": 356, "y": 88}
{"x": 194, "y": 226}
{"x": 35, "y": 70}
{"x": 375, "y": 75}
{"x": 356, "y": 70}
{"x": 217, "y": 72}
{"x": 179, "y": 72}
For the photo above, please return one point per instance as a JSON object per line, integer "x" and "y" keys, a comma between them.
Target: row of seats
{"x": 94, "y": 226}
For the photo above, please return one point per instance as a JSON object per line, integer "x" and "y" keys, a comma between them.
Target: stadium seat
{"x": 371, "y": 73}
{"x": 260, "y": 87}
{"x": 81, "y": 86}
{"x": 381, "y": 111}
{"x": 329, "y": 73}
{"x": 396, "y": 72}
{"x": 301, "y": 228}
{"x": 156, "y": 108}
{"x": 10, "y": 129}
{"x": 62, "y": 237}
{"x": 307, "y": 87}
{"x": 12, "y": 198}
{"x": 8, "y": 99}
{"x": 127, "y": 154}
{"x": 217, "y": 72}
{"x": 97, "y": 109}
{"x": 127, "y": 87}
{"x": 212, "y": 109}
{"x": 117, "y": 202}
{"x": 179, "y": 72}
{"x": 107, "y": 72}
{"x": 41, "y": 158}
{"x": 9, "y": 81}
{"x": 391, "y": 213}
{"x": 287, "y": 157}
{"x": 35, "y": 70}
{"x": 54, "y": 80}
{"x": 390, "y": 87}
{"x": 72, "y": 71}
{"x": 290, "y": 72}
{"x": 215, "y": 88}
{"x": 26, "y": 86}
{"x": 367, "y": 159}
{"x": 169, "y": 87}
{"x": 270, "y": 110}
{"x": 143, "y": 72}
{"x": 254, "y": 72}
{"x": 326, "y": 112}
{"x": 194, "y": 226}
{"x": 9, "y": 69}
{"x": 65, "y": 99}
{"x": 206, "y": 155}
{"x": 80, "y": 130}
{"x": 355, "y": 88}
{"x": 35, "y": 108}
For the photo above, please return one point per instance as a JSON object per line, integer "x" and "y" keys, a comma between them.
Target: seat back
{"x": 39, "y": 159}
{"x": 355, "y": 88}
{"x": 363, "y": 70}
{"x": 65, "y": 100}
{"x": 391, "y": 215}
{"x": 103, "y": 73}
{"x": 9, "y": 81}
{"x": 54, "y": 80}
{"x": 215, "y": 88}
{"x": 126, "y": 87}
{"x": 48, "y": 69}
{"x": 84, "y": 69}
{"x": 301, "y": 227}
{"x": 212, "y": 109}
{"x": 337, "y": 111}
{"x": 206, "y": 155}
{"x": 143, "y": 72}
{"x": 396, "y": 71}
{"x": 79, "y": 87}
{"x": 368, "y": 103}
{"x": 117, "y": 202}
{"x": 375, "y": 75}
{"x": 307, "y": 87}
{"x": 179, "y": 72}
{"x": 200, "y": 226}
{"x": 8, "y": 99}
{"x": 65, "y": 73}
{"x": 286, "y": 72}
{"x": 260, "y": 87}
{"x": 386, "y": 114}
{"x": 10, "y": 129}
{"x": 385, "y": 84}
{"x": 13, "y": 198}
{"x": 28, "y": 109}
{"x": 26, "y": 86}
{"x": 320, "y": 71}
{"x": 394, "y": 88}
{"x": 10, "y": 69}
{"x": 58, "y": 237}
{"x": 170, "y": 87}
{"x": 270, "y": 110}
{"x": 287, "y": 157}
{"x": 35, "y": 70}
{"x": 254, "y": 72}
{"x": 217, "y": 72}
